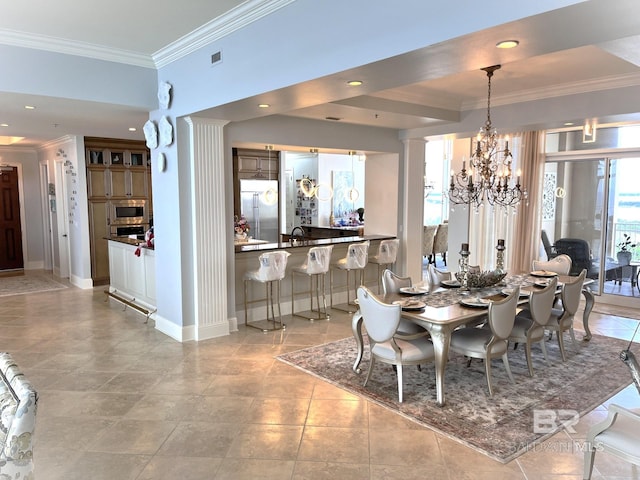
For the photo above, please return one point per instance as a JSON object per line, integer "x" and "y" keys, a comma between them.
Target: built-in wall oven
{"x": 130, "y": 231}
{"x": 128, "y": 212}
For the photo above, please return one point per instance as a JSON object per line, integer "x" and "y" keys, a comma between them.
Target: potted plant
{"x": 624, "y": 250}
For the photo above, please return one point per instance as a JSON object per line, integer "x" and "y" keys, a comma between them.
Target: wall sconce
{"x": 589, "y": 132}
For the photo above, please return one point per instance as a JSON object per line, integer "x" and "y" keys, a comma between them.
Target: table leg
{"x": 356, "y": 327}
{"x": 441, "y": 337}
{"x": 588, "y": 306}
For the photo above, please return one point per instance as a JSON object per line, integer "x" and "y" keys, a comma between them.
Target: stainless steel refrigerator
{"x": 262, "y": 218}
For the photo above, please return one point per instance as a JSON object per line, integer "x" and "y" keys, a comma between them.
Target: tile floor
{"x": 119, "y": 400}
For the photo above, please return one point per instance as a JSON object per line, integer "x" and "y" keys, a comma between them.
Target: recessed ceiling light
{"x": 508, "y": 44}
{"x": 264, "y": 105}
{"x": 568, "y": 124}
{"x": 6, "y": 141}
{"x": 29, "y": 107}
{"x": 4, "y": 124}
{"x": 132, "y": 129}
{"x": 355, "y": 83}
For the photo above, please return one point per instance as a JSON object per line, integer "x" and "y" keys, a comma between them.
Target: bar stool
{"x": 387, "y": 253}
{"x": 315, "y": 266}
{"x": 272, "y": 269}
{"x": 356, "y": 259}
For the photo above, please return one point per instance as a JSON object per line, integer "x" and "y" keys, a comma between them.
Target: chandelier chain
{"x": 490, "y": 176}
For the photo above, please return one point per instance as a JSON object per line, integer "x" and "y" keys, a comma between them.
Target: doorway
{"x": 591, "y": 209}
{"x": 11, "y": 253}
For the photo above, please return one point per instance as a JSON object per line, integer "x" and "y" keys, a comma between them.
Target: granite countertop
{"x": 308, "y": 243}
{"x": 129, "y": 241}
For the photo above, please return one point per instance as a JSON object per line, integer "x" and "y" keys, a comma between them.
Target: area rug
{"x": 504, "y": 426}
{"x": 23, "y": 284}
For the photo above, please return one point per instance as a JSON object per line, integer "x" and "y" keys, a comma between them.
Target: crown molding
{"x": 574, "y": 88}
{"x": 231, "y": 21}
{"x": 69, "y": 47}
{"x": 220, "y": 27}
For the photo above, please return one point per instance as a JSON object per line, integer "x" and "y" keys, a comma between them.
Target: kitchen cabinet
{"x": 126, "y": 182}
{"x": 99, "y": 231}
{"x": 123, "y": 175}
{"x": 256, "y": 163}
{"x": 117, "y": 170}
{"x": 133, "y": 277}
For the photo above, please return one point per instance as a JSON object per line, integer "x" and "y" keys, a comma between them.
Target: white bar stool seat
{"x": 272, "y": 269}
{"x": 356, "y": 259}
{"x": 315, "y": 267}
{"x": 386, "y": 256}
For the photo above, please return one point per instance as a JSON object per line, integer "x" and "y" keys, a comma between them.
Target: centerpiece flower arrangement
{"x": 241, "y": 226}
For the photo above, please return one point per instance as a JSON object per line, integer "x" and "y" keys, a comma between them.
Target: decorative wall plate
{"x": 164, "y": 95}
{"x": 166, "y": 132}
{"x": 150, "y": 134}
{"x": 162, "y": 162}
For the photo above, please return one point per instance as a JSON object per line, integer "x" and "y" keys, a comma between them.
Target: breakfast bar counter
{"x": 247, "y": 259}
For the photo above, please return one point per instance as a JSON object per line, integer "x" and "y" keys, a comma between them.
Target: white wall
{"x": 382, "y": 182}
{"x": 69, "y": 151}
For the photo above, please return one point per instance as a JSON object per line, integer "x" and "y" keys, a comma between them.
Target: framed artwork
{"x": 342, "y": 182}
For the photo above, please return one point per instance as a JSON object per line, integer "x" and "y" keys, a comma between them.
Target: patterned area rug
{"x": 22, "y": 284}
{"x": 501, "y": 426}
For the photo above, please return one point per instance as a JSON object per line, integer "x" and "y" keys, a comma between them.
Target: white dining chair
{"x": 381, "y": 320}
{"x": 561, "y": 319}
{"x": 492, "y": 342}
{"x": 435, "y": 277}
{"x": 392, "y": 283}
{"x": 617, "y": 435}
{"x": 528, "y": 327}
{"x": 560, "y": 264}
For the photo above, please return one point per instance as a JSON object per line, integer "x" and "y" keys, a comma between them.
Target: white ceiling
{"x": 598, "y": 52}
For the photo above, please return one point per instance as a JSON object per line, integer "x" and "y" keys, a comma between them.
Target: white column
{"x": 413, "y": 207}
{"x": 209, "y": 233}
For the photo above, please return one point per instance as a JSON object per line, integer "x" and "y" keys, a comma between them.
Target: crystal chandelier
{"x": 490, "y": 177}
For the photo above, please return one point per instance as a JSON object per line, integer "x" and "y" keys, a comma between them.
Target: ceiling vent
{"x": 216, "y": 58}
{"x": 336, "y": 119}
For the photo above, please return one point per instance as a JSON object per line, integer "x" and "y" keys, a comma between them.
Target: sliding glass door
{"x": 623, "y": 227}
{"x": 591, "y": 208}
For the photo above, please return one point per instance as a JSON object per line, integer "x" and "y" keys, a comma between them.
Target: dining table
{"x": 442, "y": 311}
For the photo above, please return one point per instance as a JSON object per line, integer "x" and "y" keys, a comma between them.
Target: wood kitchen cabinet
{"x": 99, "y": 231}
{"x": 117, "y": 170}
{"x": 127, "y": 182}
{"x": 256, "y": 163}
{"x": 123, "y": 175}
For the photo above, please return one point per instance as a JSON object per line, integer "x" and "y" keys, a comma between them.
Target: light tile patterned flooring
{"x": 119, "y": 400}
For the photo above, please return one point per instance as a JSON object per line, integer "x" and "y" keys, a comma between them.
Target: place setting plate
{"x": 450, "y": 283}
{"x": 475, "y": 302}
{"x": 410, "y": 305}
{"x": 543, "y": 274}
{"x": 413, "y": 290}
{"x": 544, "y": 283}
{"x": 507, "y": 292}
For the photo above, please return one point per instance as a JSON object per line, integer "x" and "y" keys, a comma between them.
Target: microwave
{"x": 128, "y": 212}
